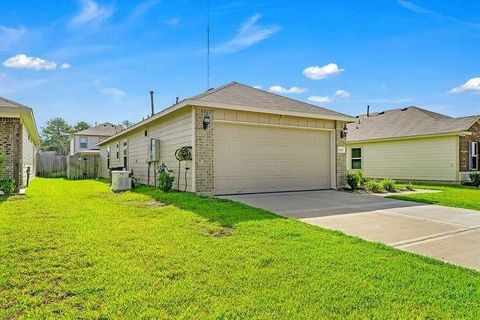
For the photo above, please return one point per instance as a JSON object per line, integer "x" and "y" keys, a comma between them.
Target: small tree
{"x": 56, "y": 136}
{"x": 81, "y": 125}
{"x": 125, "y": 124}
{"x": 165, "y": 181}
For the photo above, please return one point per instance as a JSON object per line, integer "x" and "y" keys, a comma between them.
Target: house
{"x": 242, "y": 139}
{"x": 85, "y": 142}
{"x": 414, "y": 144}
{"x": 19, "y": 141}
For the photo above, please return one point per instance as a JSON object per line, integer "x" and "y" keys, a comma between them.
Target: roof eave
{"x": 446, "y": 134}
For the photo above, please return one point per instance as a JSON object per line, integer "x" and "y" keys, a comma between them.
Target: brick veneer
{"x": 340, "y": 158}
{"x": 11, "y": 145}
{"x": 203, "y": 152}
{"x": 464, "y": 142}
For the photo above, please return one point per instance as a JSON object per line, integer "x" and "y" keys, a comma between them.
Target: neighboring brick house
{"x": 19, "y": 141}
{"x": 86, "y": 141}
{"x": 244, "y": 140}
{"x": 414, "y": 144}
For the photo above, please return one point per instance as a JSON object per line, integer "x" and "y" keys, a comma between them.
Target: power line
{"x": 208, "y": 44}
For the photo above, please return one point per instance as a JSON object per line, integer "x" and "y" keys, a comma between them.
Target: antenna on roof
{"x": 208, "y": 44}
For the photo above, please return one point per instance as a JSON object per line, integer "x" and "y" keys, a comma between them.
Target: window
{"x": 473, "y": 156}
{"x": 125, "y": 148}
{"x": 83, "y": 142}
{"x": 356, "y": 158}
{"x": 118, "y": 150}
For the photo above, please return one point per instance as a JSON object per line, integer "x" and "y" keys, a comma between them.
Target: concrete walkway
{"x": 448, "y": 234}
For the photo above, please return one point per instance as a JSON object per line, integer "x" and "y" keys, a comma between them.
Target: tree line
{"x": 57, "y": 132}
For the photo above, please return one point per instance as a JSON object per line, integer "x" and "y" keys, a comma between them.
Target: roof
{"x": 237, "y": 96}
{"x": 406, "y": 122}
{"x": 106, "y": 129}
{"x": 15, "y": 109}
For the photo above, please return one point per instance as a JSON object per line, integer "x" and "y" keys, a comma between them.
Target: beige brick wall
{"x": 10, "y": 144}
{"x": 203, "y": 152}
{"x": 340, "y": 158}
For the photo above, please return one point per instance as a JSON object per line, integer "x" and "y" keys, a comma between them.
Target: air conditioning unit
{"x": 154, "y": 150}
{"x": 121, "y": 181}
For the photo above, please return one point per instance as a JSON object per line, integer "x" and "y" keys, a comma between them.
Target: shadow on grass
{"x": 227, "y": 213}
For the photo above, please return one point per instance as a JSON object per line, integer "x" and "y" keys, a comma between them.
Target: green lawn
{"x": 75, "y": 249}
{"x": 449, "y": 195}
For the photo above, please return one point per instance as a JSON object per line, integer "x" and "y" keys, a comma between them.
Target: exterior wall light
{"x": 343, "y": 133}
{"x": 206, "y": 121}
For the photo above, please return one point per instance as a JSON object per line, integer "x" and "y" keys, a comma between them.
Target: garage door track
{"x": 448, "y": 234}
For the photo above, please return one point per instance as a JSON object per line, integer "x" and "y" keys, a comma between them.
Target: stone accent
{"x": 340, "y": 158}
{"x": 204, "y": 183}
{"x": 464, "y": 142}
{"x": 11, "y": 146}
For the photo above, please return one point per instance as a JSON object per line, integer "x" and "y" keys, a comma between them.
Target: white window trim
{"x": 80, "y": 142}
{"x": 473, "y": 156}
{"x": 356, "y": 158}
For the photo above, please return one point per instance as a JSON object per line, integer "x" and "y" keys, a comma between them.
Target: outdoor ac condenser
{"x": 121, "y": 181}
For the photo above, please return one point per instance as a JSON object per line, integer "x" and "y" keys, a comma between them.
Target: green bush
{"x": 165, "y": 181}
{"x": 373, "y": 186}
{"x": 389, "y": 185}
{"x": 7, "y": 186}
{"x": 475, "y": 176}
{"x": 410, "y": 187}
{"x": 355, "y": 179}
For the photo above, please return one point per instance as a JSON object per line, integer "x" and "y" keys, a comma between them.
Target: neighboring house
{"x": 19, "y": 141}
{"x": 86, "y": 141}
{"x": 414, "y": 144}
{"x": 244, "y": 140}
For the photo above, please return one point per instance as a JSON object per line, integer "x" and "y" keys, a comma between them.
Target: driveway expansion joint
{"x": 433, "y": 237}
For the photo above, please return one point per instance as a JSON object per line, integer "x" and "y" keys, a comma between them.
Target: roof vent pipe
{"x": 176, "y": 101}
{"x": 368, "y": 111}
{"x": 151, "y": 103}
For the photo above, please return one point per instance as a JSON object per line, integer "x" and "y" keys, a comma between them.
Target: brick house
{"x": 414, "y": 144}
{"x": 19, "y": 141}
{"x": 242, "y": 140}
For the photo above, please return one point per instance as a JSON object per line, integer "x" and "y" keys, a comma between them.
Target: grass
{"x": 448, "y": 195}
{"x": 73, "y": 249}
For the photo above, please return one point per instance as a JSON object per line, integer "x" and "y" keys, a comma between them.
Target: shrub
{"x": 475, "y": 176}
{"x": 165, "y": 181}
{"x": 7, "y": 186}
{"x": 389, "y": 185}
{"x": 373, "y": 186}
{"x": 355, "y": 179}
{"x": 410, "y": 187}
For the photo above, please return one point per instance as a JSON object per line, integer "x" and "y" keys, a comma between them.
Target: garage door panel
{"x": 251, "y": 159}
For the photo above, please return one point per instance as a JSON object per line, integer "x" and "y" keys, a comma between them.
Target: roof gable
{"x": 106, "y": 129}
{"x": 406, "y": 122}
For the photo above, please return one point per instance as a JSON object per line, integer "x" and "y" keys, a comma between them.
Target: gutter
{"x": 458, "y": 133}
{"x": 217, "y": 105}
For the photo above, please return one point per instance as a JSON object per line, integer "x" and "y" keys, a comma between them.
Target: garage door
{"x": 251, "y": 158}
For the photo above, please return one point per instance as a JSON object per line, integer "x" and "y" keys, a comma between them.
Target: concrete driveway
{"x": 449, "y": 234}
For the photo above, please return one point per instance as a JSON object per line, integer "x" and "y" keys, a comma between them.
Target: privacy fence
{"x": 71, "y": 167}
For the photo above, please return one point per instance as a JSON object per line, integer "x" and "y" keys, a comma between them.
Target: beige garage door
{"x": 249, "y": 159}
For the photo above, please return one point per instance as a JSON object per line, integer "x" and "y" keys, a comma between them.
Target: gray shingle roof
{"x": 406, "y": 122}
{"x": 239, "y": 94}
{"x": 106, "y": 129}
{"x": 5, "y": 103}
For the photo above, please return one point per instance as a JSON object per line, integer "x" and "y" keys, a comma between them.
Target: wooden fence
{"x": 71, "y": 167}
{"x": 51, "y": 166}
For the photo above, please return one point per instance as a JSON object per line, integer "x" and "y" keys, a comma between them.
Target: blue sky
{"x": 97, "y": 60}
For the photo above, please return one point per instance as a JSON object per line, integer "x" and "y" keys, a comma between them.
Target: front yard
{"x": 73, "y": 249}
{"x": 448, "y": 195}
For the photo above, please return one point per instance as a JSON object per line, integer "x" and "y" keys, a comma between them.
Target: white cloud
{"x": 173, "y": 21}
{"x": 91, "y": 14}
{"x": 113, "y": 93}
{"x": 249, "y": 34}
{"x": 65, "y": 66}
{"x": 293, "y": 90}
{"x": 10, "y": 36}
{"x": 319, "y": 99}
{"x": 258, "y": 87}
{"x": 318, "y": 73}
{"x": 471, "y": 85}
{"x": 420, "y": 10}
{"x": 342, "y": 93}
{"x": 22, "y": 61}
